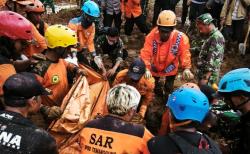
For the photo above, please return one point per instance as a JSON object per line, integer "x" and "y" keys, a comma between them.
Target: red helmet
{"x": 190, "y": 85}
{"x": 37, "y": 6}
{"x": 15, "y": 26}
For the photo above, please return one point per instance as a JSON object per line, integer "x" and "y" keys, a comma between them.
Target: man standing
{"x": 212, "y": 51}
{"x": 164, "y": 49}
{"x": 133, "y": 14}
{"x": 18, "y": 134}
{"x": 113, "y": 133}
{"x": 233, "y": 16}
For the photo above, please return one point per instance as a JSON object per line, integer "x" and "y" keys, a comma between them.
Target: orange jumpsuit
{"x": 144, "y": 86}
{"x": 131, "y": 8}
{"x": 163, "y": 58}
{"x": 39, "y": 45}
{"x": 85, "y": 36}
{"x": 112, "y": 135}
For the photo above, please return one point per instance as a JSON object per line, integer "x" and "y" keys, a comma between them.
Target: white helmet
{"x": 121, "y": 98}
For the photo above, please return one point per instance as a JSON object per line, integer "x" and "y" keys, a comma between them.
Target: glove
{"x": 187, "y": 74}
{"x": 98, "y": 61}
{"x": 51, "y": 113}
{"x": 148, "y": 74}
{"x": 137, "y": 118}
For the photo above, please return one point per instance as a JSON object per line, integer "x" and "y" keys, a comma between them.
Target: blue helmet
{"x": 188, "y": 104}
{"x": 235, "y": 80}
{"x": 91, "y": 9}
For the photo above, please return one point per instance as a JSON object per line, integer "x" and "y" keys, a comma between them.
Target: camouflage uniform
{"x": 114, "y": 51}
{"x": 211, "y": 56}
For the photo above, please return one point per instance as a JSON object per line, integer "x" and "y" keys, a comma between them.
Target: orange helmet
{"x": 37, "y": 6}
{"x": 167, "y": 18}
{"x": 190, "y": 85}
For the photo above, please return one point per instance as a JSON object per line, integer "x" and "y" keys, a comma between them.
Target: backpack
{"x": 206, "y": 146}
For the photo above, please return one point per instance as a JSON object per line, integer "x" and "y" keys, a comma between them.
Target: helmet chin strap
{"x": 243, "y": 103}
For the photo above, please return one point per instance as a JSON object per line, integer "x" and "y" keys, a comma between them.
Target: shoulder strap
{"x": 183, "y": 145}
{"x": 175, "y": 48}
{"x": 41, "y": 67}
{"x": 213, "y": 148}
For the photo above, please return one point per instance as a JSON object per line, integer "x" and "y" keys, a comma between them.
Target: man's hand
{"x": 148, "y": 74}
{"x": 111, "y": 72}
{"x": 222, "y": 21}
{"x": 51, "y": 113}
{"x": 187, "y": 74}
{"x": 98, "y": 61}
{"x": 137, "y": 118}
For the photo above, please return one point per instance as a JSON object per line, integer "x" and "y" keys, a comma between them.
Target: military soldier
{"x": 212, "y": 51}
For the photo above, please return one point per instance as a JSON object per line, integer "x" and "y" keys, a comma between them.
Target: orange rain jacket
{"x": 6, "y": 70}
{"x": 55, "y": 79}
{"x": 39, "y": 45}
{"x": 144, "y": 86}
{"x": 113, "y": 135}
{"x": 162, "y": 58}
{"x": 85, "y": 36}
{"x": 131, "y": 8}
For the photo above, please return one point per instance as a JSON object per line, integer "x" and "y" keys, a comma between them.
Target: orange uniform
{"x": 54, "y": 77}
{"x": 144, "y": 86}
{"x": 112, "y": 135}
{"x": 39, "y": 45}
{"x": 6, "y": 70}
{"x": 85, "y": 36}
{"x": 162, "y": 58}
{"x": 131, "y": 8}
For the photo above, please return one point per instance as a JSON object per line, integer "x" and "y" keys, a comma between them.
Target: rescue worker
{"x": 34, "y": 12}
{"x": 38, "y": 43}
{"x": 164, "y": 48}
{"x": 133, "y": 15}
{"x": 112, "y": 44}
{"x": 135, "y": 76}
{"x": 114, "y": 133}
{"x": 235, "y": 88}
{"x": 165, "y": 120}
{"x": 19, "y": 135}
{"x": 211, "y": 53}
{"x": 188, "y": 109}
{"x": 84, "y": 27}
{"x": 15, "y": 31}
{"x": 52, "y": 69}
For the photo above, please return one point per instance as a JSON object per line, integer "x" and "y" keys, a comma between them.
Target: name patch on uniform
{"x": 97, "y": 141}
{"x": 55, "y": 79}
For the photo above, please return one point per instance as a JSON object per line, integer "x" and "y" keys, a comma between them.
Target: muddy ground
{"x": 231, "y": 61}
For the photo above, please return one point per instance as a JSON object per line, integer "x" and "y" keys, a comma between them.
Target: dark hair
{"x": 7, "y": 47}
{"x": 113, "y": 31}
